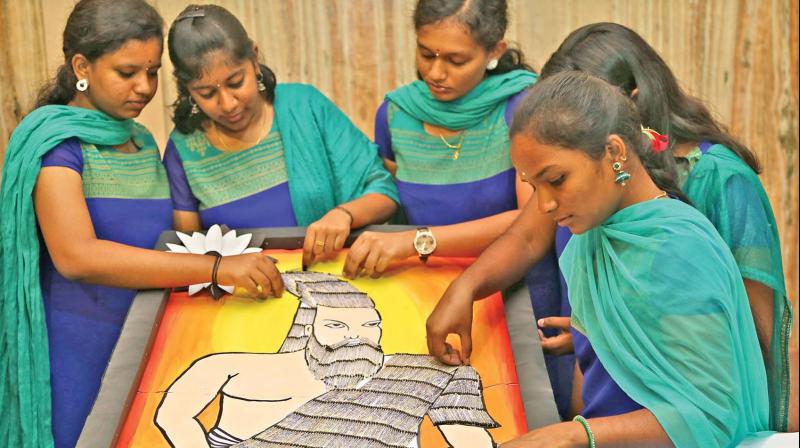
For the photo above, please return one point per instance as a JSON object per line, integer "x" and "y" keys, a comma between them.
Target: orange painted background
{"x": 192, "y": 327}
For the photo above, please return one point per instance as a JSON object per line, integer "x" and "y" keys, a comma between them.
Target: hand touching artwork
{"x": 240, "y": 268}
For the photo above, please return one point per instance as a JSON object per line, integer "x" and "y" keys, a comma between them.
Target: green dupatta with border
{"x": 465, "y": 112}
{"x": 25, "y": 367}
{"x": 328, "y": 159}
{"x": 658, "y": 294}
{"x": 730, "y": 194}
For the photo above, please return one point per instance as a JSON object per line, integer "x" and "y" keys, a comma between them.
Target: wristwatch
{"x": 424, "y": 243}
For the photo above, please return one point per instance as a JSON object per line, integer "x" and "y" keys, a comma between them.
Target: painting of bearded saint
{"x": 329, "y": 385}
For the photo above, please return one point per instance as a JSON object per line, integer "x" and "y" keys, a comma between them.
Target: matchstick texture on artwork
{"x": 330, "y": 385}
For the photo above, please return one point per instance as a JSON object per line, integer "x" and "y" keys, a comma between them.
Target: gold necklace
{"x": 261, "y": 124}
{"x": 457, "y": 147}
{"x": 662, "y": 195}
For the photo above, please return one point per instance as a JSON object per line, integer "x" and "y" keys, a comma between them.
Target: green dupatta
{"x": 658, "y": 294}
{"x": 25, "y": 419}
{"x": 328, "y": 159}
{"x": 465, "y": 112}
{"x": 730, "y": 194}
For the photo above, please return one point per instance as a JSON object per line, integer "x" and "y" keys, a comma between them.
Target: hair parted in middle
{"x": 197, "y": 32}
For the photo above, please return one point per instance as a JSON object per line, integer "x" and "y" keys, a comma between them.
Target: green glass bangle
{"x": 585, "y": 424}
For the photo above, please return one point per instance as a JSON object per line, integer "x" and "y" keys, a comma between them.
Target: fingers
{"x": 380, "y": 266}
{"x": 370, "y": 262}
{"x": 322, "y": 241}
{"x": 557, "y": 345}
{"x": 270, "y": 271}
{"x": 561, "y": 323}
{"x": 356, "y": 257}
{"x": 466, "y": 346}
{"x": 251, "y": 286}
{"x": 451, "y": 356}
{"x": 441, "y": 350}
{"x": 260, "y": 285}
{"x": 308, "y": 247}
{"x": 339, "y": 240}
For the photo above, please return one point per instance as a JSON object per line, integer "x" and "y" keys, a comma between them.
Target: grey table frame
{"x": 125, "y": 367}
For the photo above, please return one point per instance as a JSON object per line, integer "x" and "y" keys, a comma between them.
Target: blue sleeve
{"x": 179, "y": 190}
{"x": 512, "y": 104}
{"x": 382, "y": 136}
{"x": 67, "y": 154}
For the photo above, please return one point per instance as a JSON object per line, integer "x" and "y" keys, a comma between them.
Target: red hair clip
{"x": 660, "y": 142}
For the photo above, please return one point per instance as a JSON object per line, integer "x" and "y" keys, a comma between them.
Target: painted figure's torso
{"x": 260, "y": 393}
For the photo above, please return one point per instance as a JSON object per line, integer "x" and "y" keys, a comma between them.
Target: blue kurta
{"x": 312, "y": 160}
{"x": 128, "y": 201}
{"x": 242, "y": 189}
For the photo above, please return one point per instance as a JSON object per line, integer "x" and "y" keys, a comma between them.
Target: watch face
{"x": 425, "y": 244}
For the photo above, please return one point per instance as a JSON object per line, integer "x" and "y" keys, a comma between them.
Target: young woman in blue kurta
{"x": 717, "y": 173}
{"x": 248, "y": 153}
{"x": 445, "y": 136}
{"x": 93, "y": 180}
{"x": 684, "y": 353}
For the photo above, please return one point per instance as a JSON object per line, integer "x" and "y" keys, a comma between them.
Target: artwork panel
{"x": 194, "y": 327}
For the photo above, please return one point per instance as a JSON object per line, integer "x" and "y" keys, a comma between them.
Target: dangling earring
{"x": 260, "y": 85}
{"x": 195, "y": 110}
{"x": 622, "y": 176}
{"x": 82, "y": 85}
{"x": 492, "y": 64}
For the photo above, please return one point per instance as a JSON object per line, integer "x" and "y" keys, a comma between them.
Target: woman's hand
{"x": 372, "y": 252}
{"x": 560, "y": 435}
{"x": 560, "y": 344}
{"x": 255, "y": 273}
{"x": 453, "y": 314}
{"x": 327, "y": 235}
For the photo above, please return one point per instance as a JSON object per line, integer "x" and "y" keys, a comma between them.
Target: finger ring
{"x": 259, "y": 289}
{"x": 319, "y": 243}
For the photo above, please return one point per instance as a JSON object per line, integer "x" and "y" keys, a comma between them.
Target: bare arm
{"x": 525, "y": 243}
{"x": 176, "y": 416}
{"x": 762, "y": 305}
{"x": 466, "y": 436}
{"x": 637, "y": 429}
{"x": 186, "y": 222}
{"x": 499, "y": 266}
{"x": 79, "y": 255}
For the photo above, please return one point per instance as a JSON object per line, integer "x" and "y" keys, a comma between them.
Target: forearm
{"x": 634, "y": 429}
{"x": 471, "y": 238}
{"x": 511, "y": 255}
{"x": 372, "y": 208}
{"x": 762, "y": 305}
{"x": 109, "y": 263}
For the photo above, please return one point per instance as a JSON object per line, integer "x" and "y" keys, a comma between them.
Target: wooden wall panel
{"x": 741, "y": 57}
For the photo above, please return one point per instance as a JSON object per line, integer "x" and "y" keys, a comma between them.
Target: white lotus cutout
{"x": 213, "y": 242}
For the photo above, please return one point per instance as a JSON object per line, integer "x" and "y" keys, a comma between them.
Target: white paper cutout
{"x": 213, "y": 242}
